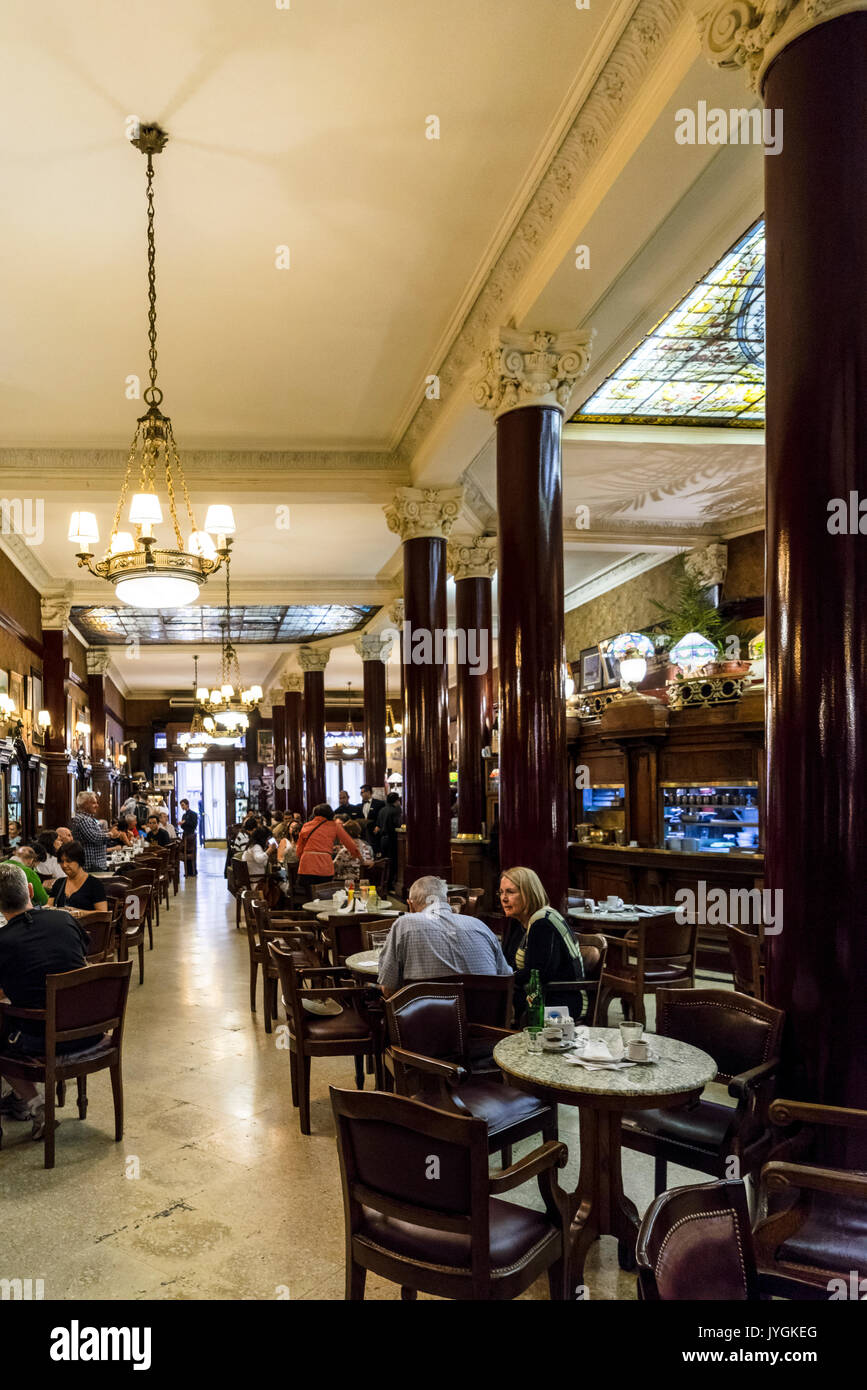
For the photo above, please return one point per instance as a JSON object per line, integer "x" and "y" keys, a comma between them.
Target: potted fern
{"x": 692, "y": 611}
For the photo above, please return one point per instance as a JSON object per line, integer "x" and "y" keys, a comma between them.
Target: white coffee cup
{"x": 614, "y": 903}
{"x": 638, "y": 1051}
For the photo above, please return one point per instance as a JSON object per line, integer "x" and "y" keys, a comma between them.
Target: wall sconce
{"x": 81, "y": 727}
{"x": 43, "y": 723}
{"x": 121, "y": 759}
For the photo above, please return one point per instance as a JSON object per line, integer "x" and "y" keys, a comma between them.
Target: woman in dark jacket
{"x": 545, "y": 943}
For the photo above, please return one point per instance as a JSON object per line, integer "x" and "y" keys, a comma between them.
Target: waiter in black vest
{"x": 189, "y": 829}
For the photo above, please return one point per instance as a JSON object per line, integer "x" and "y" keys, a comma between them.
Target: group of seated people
{"x": 432, "y": 941}
{"x": 331, "y": 844}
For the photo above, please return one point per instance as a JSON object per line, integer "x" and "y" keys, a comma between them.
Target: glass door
{"x": 214, "y": 800}
{"x": 188, "y": 782}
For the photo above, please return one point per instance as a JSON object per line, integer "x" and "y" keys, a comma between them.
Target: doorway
{"x": 214, "y": 800}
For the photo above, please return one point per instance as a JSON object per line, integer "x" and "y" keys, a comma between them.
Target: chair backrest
{"x": 100, "y": 929}
{"x": 487, "y": 998}
{"x": 240, "y": 874}
{"x": 82, "y": 1003}
{"x": 345, "y": 935}
{"x": 142, "y": 874}
{"x": 737, "y": 1031}
{"x": 377, "y": 872}
{"x": 745, "y": 953}
{"x": 136, "y": 902}
{"x": 695, "y": 1243}
{"x": 429, "y": 1018}
{"x": 375, "y": 924}
{"x": 386, "y": 1146}
{"x": 324, "y": 892}
{"x": 589, "y": 942}
{"x": 289, "y": 988}
{"x": 474, "y": 898}
{"x": 666, "y": 939}
{"x": 248, "y": 901}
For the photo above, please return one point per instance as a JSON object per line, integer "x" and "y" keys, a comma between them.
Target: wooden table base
{"x": 599, "y": 1206}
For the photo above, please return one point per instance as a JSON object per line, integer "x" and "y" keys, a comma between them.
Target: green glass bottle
{"x": 535, "y": 1003}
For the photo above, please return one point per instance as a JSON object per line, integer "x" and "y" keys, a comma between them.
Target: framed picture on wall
{"x": 610, "y": 670}
{"x": 34, "y": 703}
{"x": 4, "y": 682}
{"x": 591, "y": 669}
{"x": 265, "y": 746}
{"x": 16, "y": 691}
{"x": 43, "y": 786}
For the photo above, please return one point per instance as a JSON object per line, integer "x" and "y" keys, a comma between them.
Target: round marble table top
{"x": 623, "y": 918}
{"x": 364, "y": 963}
{"x": 681, "y": 1068}
{"x": 383, "y": 909}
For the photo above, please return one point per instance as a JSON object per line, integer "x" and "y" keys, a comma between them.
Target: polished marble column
{"x": 423, "y": 518}
{"x": 527, "y": 384}
{"x": 278, "y": 726}
{"x": 313, "y": 661}
{"x": 473, "y": 564}
{"x": 374, "y": 650}
{"x": 98, "y": 662}
{"x": 293, "y": 774}
{"x": 808, "y": 62}
{"x": 55, "y": 621}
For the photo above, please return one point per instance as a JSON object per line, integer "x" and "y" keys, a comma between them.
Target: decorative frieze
{"x": 429, "y": 512}
{"x": 536, "y": 368}
{"x": 473, "y": 559}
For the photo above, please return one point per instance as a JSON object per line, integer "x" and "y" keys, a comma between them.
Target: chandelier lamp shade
{"x": 229, "y": 705}
{"x": 147, "y": 571}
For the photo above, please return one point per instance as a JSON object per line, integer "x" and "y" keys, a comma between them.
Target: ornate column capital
{"x": 473, "y": 559}
{"x": 55, "y": 613}
{"x": 374, "y": 646}
{"x": 98, "y": 661}
{"x": 273, "y": 697}
{"x": 397, "y": 612}
{"x": 313, "y": 658}
{"x": 427, "y": 511}
{"x": 708, "y": 565}
{"x": 292, "y": 682}
{"x": 750, "y": 34}
{"x": 531, "y": 369}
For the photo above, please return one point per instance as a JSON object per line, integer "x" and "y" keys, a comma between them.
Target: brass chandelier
{"x": 196, "y": 740}
{"x": 229, "y": 705}
{"x": 146, "y": 573}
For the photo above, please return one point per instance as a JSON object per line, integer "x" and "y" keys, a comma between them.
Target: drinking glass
{"x": 377, "y": 939}
{"x": 630, "y": 1032}
{"x": 534, "y": 1039}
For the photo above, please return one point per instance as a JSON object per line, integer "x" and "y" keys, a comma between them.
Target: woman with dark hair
{"x": 346, "y": 864}
{"x": 316, "y": 846}
{"x": 257, "y": 856}
{"x": 79, "y": 891}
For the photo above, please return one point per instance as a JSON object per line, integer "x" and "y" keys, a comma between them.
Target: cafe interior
{"x": 401, "y": 415}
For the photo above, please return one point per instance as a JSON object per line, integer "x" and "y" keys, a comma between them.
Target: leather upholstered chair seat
{"x": 516, "y": 1233}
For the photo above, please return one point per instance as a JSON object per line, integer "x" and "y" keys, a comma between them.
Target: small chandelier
{"x": 349, "y": 743}
{"x": 196, "y": 739}
{"x": 229, "y": 705}
{"x": 145, "y": 573}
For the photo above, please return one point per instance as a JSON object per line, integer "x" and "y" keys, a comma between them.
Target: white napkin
{"x": 340, "y": 899}
{"x": 597, "y": 1051}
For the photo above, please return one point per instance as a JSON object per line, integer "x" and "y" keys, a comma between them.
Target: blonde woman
{"x": 547, "y": 943}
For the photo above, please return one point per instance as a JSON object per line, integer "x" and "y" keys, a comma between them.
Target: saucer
{"x": 563, "y": 1046}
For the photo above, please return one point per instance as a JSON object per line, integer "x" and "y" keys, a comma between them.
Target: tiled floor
{"x": 213, "y": 1192}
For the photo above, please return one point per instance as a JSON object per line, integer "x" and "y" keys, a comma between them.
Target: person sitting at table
{"x": 432, "y": 941}
{"x": 346, "y": 864}
{"x": 79, "y": 891}
{"x": 51, "y": 841}
{"x": 14, "y": 834}
{"x": 132, "y": 831}
{"x": 166, "y": 825}
{"x": 546, "y": 942}
{"x": 26, "y": 859}
{"x": 259, "y": 853}
{"x": 35, "y": 942}
{"x": 316, "y": 845}
{"x": 156, "y": 835}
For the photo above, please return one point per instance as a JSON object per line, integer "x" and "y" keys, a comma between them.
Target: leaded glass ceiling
{"x": 704, "y": 363}
{"x": 204, "y": 623}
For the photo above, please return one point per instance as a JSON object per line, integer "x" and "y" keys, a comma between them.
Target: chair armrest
{"x": 11, "y": 1012}
{"x": 788, "y": 1112}
{"x": 741, "y": 1085}
{"x": 552, "y": 1154}
{"x": 572, "y": 986}
{"x": 338, "y": 992}
{"x": 432, "y": 1066}
{"x": 277, "y": 934}
{"x": 487, "y": 1030}
{"x": 777, "y": 1177}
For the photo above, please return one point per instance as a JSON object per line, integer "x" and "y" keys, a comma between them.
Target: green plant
{"x": 692, "y": 612}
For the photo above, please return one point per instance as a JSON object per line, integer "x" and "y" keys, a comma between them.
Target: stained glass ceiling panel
{"x": 704, "y": 363}
{"x": 250, "y": 623}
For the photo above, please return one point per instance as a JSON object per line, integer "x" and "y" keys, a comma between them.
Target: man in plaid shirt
{"x": 85, "y": 829}
{"x": 431, "y": 941}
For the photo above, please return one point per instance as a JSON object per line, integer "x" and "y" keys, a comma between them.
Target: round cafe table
{"x": 382, "y": 909}
{"x": 364, "y": 964}
{"x": 599, "y": 1206}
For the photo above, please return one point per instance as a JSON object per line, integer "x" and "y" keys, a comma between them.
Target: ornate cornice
{"x": 372, "y": 646}
{"x": 750, "y": 34}
{"x": 621, "y": 78}
{"x": 55, "y": 613}
{"x": 427, "y": 511}
{"x": 98, "y": 661}
{"x": 313, "y": 658}
{"x": 531, "y": 369}
{"x": 473, "y": 559}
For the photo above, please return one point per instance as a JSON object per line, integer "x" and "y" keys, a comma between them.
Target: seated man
{"x": 35, "y": 942}
{"x": 155, "y": 833}
{"x": 431, "y": 941}
{"x": 27, "y": 859}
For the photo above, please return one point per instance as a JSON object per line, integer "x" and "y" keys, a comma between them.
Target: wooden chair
{"x": 474, "y": 898}
{"x": 175, "y": 863}
{"x": 344, "y": 936}
{"x": 747, "y": 953}
{"x": 238, "y": 878}
{"x": 743, "y": 1036}
{"x": 658, "y": 953}
{"x": 145, "y": 876}
{"x": 85, "y": 1003}
{"x": 451, "y": 1237}
{"x": 130, "y": 919}
{"x": 347, "y": 1034}
{"x": 100, "y": 927}
{"x": 377, "y": 873}
{"x": 377, "y": 925}
{"x": 260, "y": 931}
{"x": 429, "y": 1049}
{"x": 815, "y": 1231}
{"x": 577, "y": 991}
{"x": 324, "y": 892}
{"x": 159, "y": 860}
{"x": 695, "y": 1244}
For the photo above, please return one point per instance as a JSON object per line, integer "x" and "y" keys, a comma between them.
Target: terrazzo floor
{"x": 213, "y": 1193}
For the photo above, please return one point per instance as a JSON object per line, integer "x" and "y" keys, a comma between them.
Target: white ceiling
{"x": 304, "y": 389}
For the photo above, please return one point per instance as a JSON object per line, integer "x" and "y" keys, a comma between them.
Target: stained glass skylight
{"x": 275, "y": 622}
{"x": 704, "y": 363}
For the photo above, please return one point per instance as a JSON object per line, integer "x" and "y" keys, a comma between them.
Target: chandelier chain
{"x": 125, "y": 486}
{"x": 152, "y": 279}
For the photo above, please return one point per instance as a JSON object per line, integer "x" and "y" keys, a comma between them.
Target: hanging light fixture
{"x": 145, "y": 573}
{"x": 348, "y": 744}
{"x": 197, "y": 738}
{"x": 228, "y": 704}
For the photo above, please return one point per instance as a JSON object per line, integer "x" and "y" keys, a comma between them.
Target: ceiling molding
{"x": 608, "y": 105}
{"x": 612, "y": 578}
{"x": 23, "y": 557}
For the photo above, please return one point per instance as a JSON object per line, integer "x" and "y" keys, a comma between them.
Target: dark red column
{"x": 472, "y": 564}
{"x": 426, "y": 717}
{"x": 371, "y": 648}
{"x": 313, "y": 662}
{"x": 278, "y": 724}
{"x": 57, "y": 795}
{"x": 532, "y": 708}
{"x": 101, "y": 781}
{"x": 294, "y": 775}
{"x": 816, "y": 835}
